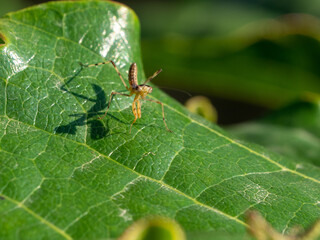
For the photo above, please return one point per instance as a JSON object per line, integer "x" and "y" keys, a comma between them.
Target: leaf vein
{"x": 37, "y": 216}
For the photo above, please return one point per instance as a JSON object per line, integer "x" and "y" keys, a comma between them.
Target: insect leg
{"x": 164, "y": 121}
{"x": 135, "y": 113}
{"x": 139, "y": 108}
{"x": 110, "y": 99}
{"x": 114, "y": 65}
{"x": 153, "y": 76}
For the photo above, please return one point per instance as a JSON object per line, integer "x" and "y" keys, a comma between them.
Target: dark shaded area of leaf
{"x": 246, "y": 52}
{"x": 269, "y": 73}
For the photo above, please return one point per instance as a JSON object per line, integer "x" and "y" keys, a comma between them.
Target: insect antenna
{"x": 175, "y": 89}
{"x": 153, "y": 76}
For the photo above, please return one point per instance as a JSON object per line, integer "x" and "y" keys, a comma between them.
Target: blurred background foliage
{"x": 246, "y": 56}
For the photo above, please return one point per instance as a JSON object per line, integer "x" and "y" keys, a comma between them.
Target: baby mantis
{"x": 139, "y": 90}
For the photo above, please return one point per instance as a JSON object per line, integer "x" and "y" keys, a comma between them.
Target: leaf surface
{"x": 65, "y": 174}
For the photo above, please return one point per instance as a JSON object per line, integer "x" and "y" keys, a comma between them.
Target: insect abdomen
{"x": 133, "y": 81}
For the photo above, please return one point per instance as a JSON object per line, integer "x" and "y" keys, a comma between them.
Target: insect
{"x": 139, "y": 90}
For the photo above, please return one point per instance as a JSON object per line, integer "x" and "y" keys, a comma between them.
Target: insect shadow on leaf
{"x": 98, "y": 130}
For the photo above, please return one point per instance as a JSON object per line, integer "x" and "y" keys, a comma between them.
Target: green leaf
{"x": 293, "y": 131}
{"x": 66, "y": 174}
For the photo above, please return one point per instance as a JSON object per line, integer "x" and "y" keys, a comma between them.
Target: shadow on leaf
{"x": 98, "y": 130}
